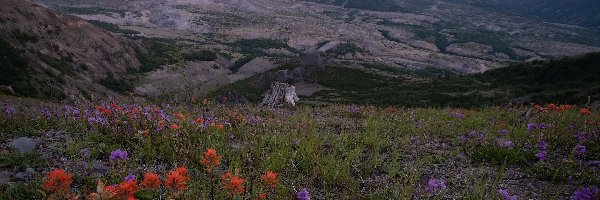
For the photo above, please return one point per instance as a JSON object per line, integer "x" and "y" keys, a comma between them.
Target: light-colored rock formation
{"x": 280, "y": 93}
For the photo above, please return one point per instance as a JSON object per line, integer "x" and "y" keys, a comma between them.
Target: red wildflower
{"x": 176, "y": 181}
{"x": 179, "y": 116}
{"x": 151, "y": 181}
{"x": 262, "y": 196}
{"x": 199, "y": 120}
{"x": 234, "y": 184}
{"x": 146, "y": 133}
{"x": 538, "y": 107}
{"x": 128, "y": 188}
{"x": 220, "y": 126}
{"x": 210, "y": 159}
{"x": 551, "y": 107}
{"x": 58, "y": 181}
{"x": 585, "y": 111}
{"x": 161, "y": 124}
{"x": 174, "y": 126}
{"x": 182, "y": 170}
{"x": 270, "y": 179}
{"x": 103, "y": 110}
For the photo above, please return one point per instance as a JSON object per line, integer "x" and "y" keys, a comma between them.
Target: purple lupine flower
{"x": 594, "y": 162}
{"x": 531, "y": 126}
{"x": 541, "y": 155}
{"x": 76, "y": 112}
{"x": 457, "y": 115}
{"x": 303, "y": 195}
{"x": 68, "y": 109}
{"x": 9, "y": 110}
{"x": 464, "y": 139}
{"x": 508, "y": 144}
{"x": 481, "y": 137}
{"x": 47, "y": 113}
{"x": 472, "y": 134}
{"x": 353, "y": 109}
{"x": 543, "y": 146}
{"x": 118, "y": 153}
{"x": 435, "y": 184}
{"x": 542, "y": 125}
{"x": 589, "y": 193}
{"x": 506, "y": 196}
{"x": 130, "y": 178}
{"x": 580, "y": 149}
{"x": 581, "y": 136}
{"x": 503, "y": 132}
{"x": 503, "y": 142}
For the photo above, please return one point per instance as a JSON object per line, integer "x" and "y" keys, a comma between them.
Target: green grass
{"x": 333, "y": 151}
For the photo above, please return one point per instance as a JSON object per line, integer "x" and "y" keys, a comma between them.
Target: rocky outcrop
{"x": 280, "y": 93}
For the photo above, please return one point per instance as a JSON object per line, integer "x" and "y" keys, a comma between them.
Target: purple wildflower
{"x": 435, "y": 184}
{"x": 531, "y": 126}
{"x": 503, "y": 132}
{"x": 457, "y": 115}
{"x": 9, "y": 110}
{"x": 543, "y": 146}
{"x": 120, "y": 154}
{"x": 481, "y": 137}
{"x": 68, "y": 109}
{"x": 508, "y": 144}
{"x": 472, "y": 134}
{"x": 580, "y": 149}
{"x": 506, "y": 196}
{"x": 303, "y": 195}
{"x": 541, "y": 155}
{"x": 589, "y": 193}
{"x": 542, "y": 125}
{"x": 353, "y": 109}
{"x": 76, "y": 112}
{"x": 581, "y": 136}
{"x": 503, "y": 142}
{"x": 594, "y": 162}
{"x": 130, "y": 178}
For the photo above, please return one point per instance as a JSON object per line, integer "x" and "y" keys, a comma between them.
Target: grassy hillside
{"x": 568, "y": 80}
{"x": 334, "y": 152}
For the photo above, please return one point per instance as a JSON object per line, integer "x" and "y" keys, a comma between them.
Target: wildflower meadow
{"x": 128, "y": 148}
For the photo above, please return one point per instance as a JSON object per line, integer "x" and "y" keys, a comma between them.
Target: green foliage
{"x": 241, "y": 62}
{"x": 568, "y": 80}
{"x": 22, "y": 191}
{"x": 499, "y": 155}
{"x": 204, "y": 55}
{"x": 23, "y": 37}
{"x": 112, "y": 28}
{"x": 21, "y": 161}
{"x": 343, "y": 49}
{"x": 117, "y": 84}
{"x": 91, "y": 10}
{"x": 157, "y": 54}
{"x": 14, "y": 68}
{"x": 255, "y": 46}
{"x": 63, "y": 65}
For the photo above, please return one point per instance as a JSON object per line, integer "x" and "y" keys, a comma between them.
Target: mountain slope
{"x": 48, "y": 54}
{"x": 580, "y": 12}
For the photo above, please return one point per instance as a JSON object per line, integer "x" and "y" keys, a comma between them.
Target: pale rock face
{"x": 290, "y": 95}
{"x": 281, "y": 93}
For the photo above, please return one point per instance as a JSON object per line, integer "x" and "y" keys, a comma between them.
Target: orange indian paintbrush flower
{"x": 151, "y": 181}
{"x": 210, "y": 159}
{"x": 58, "y": 181}
{"x": 270, "y": 179}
